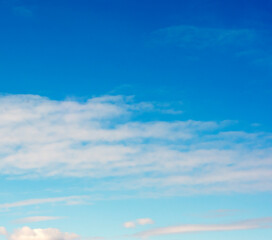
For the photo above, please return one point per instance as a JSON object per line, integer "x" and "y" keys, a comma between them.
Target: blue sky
{"x": 135, "y": 119}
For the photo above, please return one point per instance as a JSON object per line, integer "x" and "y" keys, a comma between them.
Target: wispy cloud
{"x": 203, "y": 37}
{"x": 140, "y": 221}
{"x": 251, "y": 45}
{"x": 129, "y": 224}
{"x": 243, "y": 225}
{"x": 36, "y": 219}
{"x": 38, "y": 201}
{"x": 145, "y": 221}
{"x": 99, "y": 138}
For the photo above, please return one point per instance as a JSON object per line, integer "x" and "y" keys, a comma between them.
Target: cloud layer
{"x": 100, "y": 138}
{"x": 26, "y": 233}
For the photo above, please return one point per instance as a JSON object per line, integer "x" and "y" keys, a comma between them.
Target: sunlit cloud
{"x": 3, "y": 231}
{"x": 26, "y": 233}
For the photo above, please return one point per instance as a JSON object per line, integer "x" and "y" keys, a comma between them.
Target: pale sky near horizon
{"x": 125, "y": 119}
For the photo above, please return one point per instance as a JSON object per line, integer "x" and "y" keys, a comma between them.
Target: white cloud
{"x": 38, "y": 201}
{"x": 145, "y": 221}
{"x": 99, "y": 138}
{"x": 141, "y": 221}
{"x": 3, "y": 231}
{"x": 27, "y": 233}
{"x": 129, "y": 225}
{"x": 243, "y": 225}
{"x": 36, "y": 219}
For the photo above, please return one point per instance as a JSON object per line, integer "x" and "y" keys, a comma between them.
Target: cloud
{"x": 202, "y": 37}
{"x": 243, "y": 225}
{"x": 38, "y": 201}
{"x": 95, "y": 238}
{"x": 27, "y": 233}
{"x": 141, "y": 221}
{"x": 250, "y": 45}
{"x": 145, "y": 221}
{"x": 36, "y": 219}
{"x": 100, "y": 138}
{"x": 3, "y": 231}
{"x": 129, "y": 224}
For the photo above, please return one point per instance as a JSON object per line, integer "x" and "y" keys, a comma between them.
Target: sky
{"x": 125, "y": 119}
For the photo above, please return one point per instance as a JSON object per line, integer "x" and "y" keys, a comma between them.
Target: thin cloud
{"x": 140, "y": 221}
{"x": 145, "y": 221}
{"x": 129, "y": 224}
{"x": 181, "y": 229}
{"x": 201, "y": 37}
{"x": 39, "y": 201}
{"x": 251, "y": 45}
{"x": 35, "y": 219}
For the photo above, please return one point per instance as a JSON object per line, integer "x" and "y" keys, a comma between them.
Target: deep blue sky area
{"x": 60, "y": 49}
